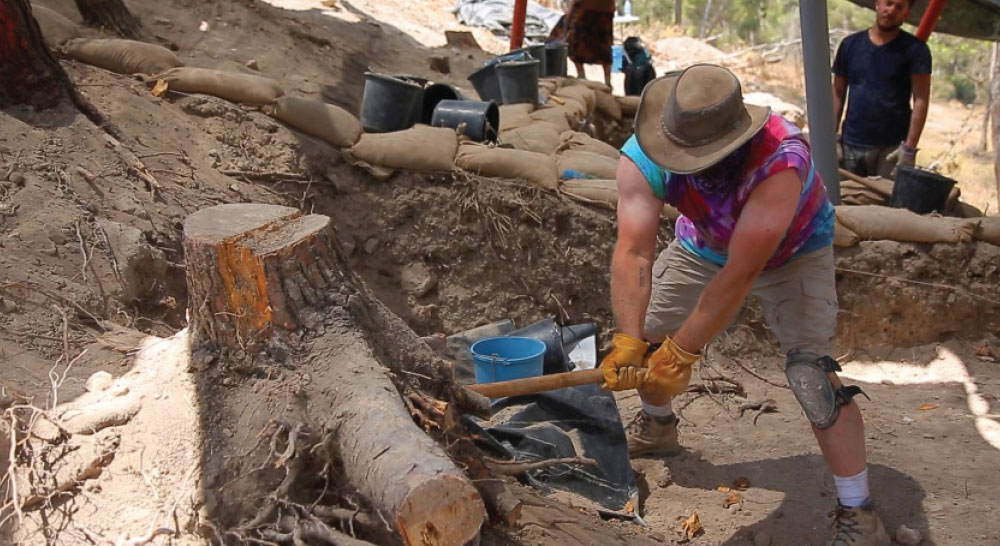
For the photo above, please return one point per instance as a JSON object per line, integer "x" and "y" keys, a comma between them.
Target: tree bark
{"x": 113, "y": 16}
{"x": 266, "y": 276}
{"x": 30, "y": 75}
{"x": 678, "y": 12}
{"x": 995, "y": 115}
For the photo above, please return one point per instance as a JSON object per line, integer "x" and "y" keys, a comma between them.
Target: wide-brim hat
{"x": 691, "y": 119}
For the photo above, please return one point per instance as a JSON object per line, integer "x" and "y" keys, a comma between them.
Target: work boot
{"x": 859, "y": 526}
{"x": 647, "y": 434}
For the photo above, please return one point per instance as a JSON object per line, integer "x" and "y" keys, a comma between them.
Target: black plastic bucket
{"x": 481, "y": 119}
{"x": 518, "y": 81}
{"x": 549, "y": 333}
{"x": 389, "y": 103}
{"x": 486, "y": 84}
{"x": 576, "y": 332}
{"x": 435, "y": 93}
{"x": 555, "y": 59}
{"x": 920, "y": 191}
{"x": 536, "y": 52}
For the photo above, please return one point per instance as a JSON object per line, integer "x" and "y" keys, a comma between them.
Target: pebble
{"x": 99, "y": 381}
{"x": 371, "y": 245}
{"x": 907, "y": 536}
{"x": 762, "y": 538}
{"x": 659, "y": 537}
{"x": 734, "y": 508}
{"x": 252, "y": 64}
{"x": 928, "y": 436}
{"x": 907, "y": 420}
{"x": 17, "y": 178}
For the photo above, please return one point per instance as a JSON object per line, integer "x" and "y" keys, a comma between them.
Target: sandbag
{"x": 604, "y": 193}
{"x": 325, "y": 121}
{"x": 594, "y": 85}
{"x": 422, "y": 148}
{"x": 874, "y": 223}
{"x": 556, "y": 115}
{"x": 538, "y": 169}
{"x": 579, "y": 93}
{"x": 56, "y": 29}
{"x": 988, "y": 229}
{"x": 539, "y": 136}
{"x": 629, "y": 105}
{"x": 122, "y": 56}
{"x": 843, "y": 237}
{"x": 232, "y": 86}
{"x": 579, "y": 164}
{"x": 513, "y": 116}
{"x": 607, "y": 105}
{"x": 575, "y": 110}
{"x": 573, "y": 140}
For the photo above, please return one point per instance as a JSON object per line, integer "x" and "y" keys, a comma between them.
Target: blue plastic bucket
{"x": 617, "y": 52}
{"x": 508, "y": 357}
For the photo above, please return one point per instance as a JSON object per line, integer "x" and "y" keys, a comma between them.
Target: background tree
{"x": 30, "y": 75}
{"x": 112, "y": 16}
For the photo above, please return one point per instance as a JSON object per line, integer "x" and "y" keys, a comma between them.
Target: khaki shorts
{"x": 799, "y": 298}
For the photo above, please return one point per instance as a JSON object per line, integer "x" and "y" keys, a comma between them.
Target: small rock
{"x": 734, "y": 508}
{"x": 119, "y": 390}
{"x": 659, "y": 537}
{"x": 252, "y": 64}
{"x": 907, "y": 536}
{"x": 440, "y": 64}
{"x": 226, "y": 381}
{"x": 417, "y": 279}
{"x": 907, "y": 420}
{"x": 371, "y": 245}
{"x": 928, "y": 436}
{"x": 56, "y": 236}
{"x": 17, "y": 178}
{"x": 99, "y": 381}
{"x": 54, "y": 251}
{"x": 761, "y": 538}
{"x": 7, "y": 307}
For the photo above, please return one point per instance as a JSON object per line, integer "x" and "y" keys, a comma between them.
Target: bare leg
{"x": 580, "y": 72}
{"x": 843, "y": 444}
{"x": 607, "y": 74}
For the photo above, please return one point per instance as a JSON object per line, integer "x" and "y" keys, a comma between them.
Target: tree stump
{"x": 30, "y": 74}
{"x": 261, "y": 273}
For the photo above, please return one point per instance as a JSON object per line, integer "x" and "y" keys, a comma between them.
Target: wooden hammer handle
{"x": 531, "y": 385}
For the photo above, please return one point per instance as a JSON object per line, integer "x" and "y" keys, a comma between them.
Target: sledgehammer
{"x": 531, "y": 385}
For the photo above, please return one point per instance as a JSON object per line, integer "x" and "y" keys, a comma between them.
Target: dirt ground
{"x": 91, "y": 279}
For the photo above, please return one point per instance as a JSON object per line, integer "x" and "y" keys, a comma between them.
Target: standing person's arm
{"x": 921, "y": 101}
{"x": 839, "y": 99}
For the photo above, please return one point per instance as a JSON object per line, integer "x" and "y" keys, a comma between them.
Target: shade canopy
{"x": 978, "y": 19}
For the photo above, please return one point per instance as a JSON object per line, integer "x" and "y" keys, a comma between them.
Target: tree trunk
{"x": 267, "y": 280}
{"x": 30, "y": 75}
{"x": 113, "y": 16}
{"x": 995, "y": 115}
{"x": 678, "y": 12}
{"x": 704, "y": 19}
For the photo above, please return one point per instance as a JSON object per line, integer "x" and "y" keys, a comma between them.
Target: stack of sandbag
{"x": 865, "y": 191}
{"x": 537, "y": 136}
{"x": 56, "y": 29}
{"x": 584, "y": 97}
{"x": 327, "y": 122}
{"x": 579, "y": 164}
{"x": 573, "y": 140}
{"x": 538, "y": 169}
{"x": 122, "y": 56}
{"x": 603, "y": 193}
{"x": 421, "y": 148}
{"x": 875, "y": 223}
{"x": 248, "y": 89}
{"x": 558, "y": 116}
{"x": 513, "y": 116}
{"x": 629, "y": 105}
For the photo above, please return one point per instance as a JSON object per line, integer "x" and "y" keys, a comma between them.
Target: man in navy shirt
{"x": 878, "y": 70}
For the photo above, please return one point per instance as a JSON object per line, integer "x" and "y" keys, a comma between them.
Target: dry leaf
{"x": 985, "y": 350}
{"x": 734, "y": 498}
{"x": 723, "y": 488}
{"x": 629, "y": 507}
{"x": 160, "y": 88}
{"x": 927, "y": 407}
{"x": 741, "y": 483}
{"x": 691, "y": 526}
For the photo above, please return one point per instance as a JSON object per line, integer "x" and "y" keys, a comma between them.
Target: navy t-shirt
{"x": 879, "y": 86}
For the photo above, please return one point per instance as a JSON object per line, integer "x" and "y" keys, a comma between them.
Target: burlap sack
{"x": 556, "y": 115}
{"x": 607, "y": 105}
{"x": 579, "y": 93}
{"x": 232, "y": 86}
{"x": 575, "y": 110}
{"x": 873, "y": 223}
{"x": 988, "y": 229}
{"x": 325, "y": 121}
{"x": 422, "y": 148}
{"x": 843, "y": 237}
{"x": 122, "y": 56}
{"x": 629, "y": 105}
{"x": 591, "y": 84}
{"x": 56, "y": 29}
{"x": 579, "y": 164}
{"x": 513, "y": 116}
{"x": 604, "y": 193}
{"x": 539, "y": 136}
{"x": 538, "y": 169}
{"x": 573, "y": 140}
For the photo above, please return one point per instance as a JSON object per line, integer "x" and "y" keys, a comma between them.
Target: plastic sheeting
{"x": 497, "y": 15}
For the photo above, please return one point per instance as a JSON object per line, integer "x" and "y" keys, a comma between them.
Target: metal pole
{"x": 517, "y": 25}
{"x": 930, "y": 19}
{"x": 819, "y": 93}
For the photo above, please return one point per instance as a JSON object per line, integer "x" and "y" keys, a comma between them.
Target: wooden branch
{"x": 513, "y": 468}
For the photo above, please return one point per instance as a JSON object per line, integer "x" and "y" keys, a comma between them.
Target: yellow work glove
{"x": 669, "y": 369}
{"x": 621, "y": 366}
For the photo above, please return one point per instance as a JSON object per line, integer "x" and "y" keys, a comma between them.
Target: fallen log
{"x": 266, "y": 280}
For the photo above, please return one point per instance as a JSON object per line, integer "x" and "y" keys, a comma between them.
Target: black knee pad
{"x": 806, "y": 373}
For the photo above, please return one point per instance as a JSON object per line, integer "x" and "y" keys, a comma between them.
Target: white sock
{"x": 852, "y": 490}
{"x": 657, "y": 411}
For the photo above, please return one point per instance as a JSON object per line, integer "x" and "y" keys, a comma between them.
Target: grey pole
{"x": 819, "y": 92}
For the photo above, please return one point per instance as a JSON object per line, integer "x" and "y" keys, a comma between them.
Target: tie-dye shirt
{"x": 710, "y": 201}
